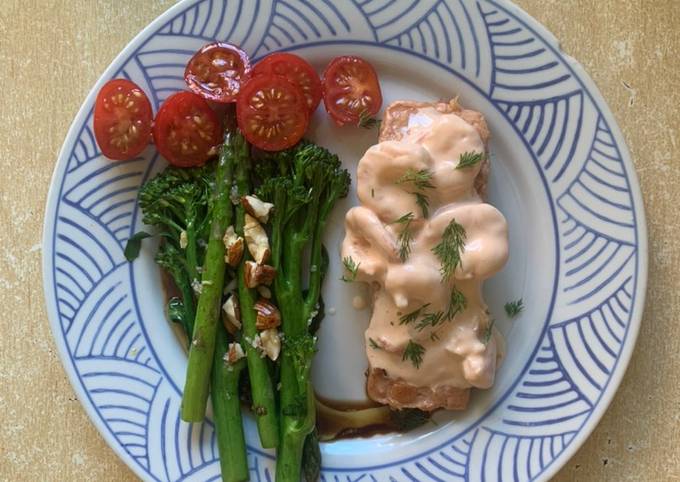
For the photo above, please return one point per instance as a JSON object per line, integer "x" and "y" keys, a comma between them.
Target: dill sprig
{"x": 413, "y": 316}
{"x": 457, "y": 304}
{"x": 405, "y": 243}
{"x": 351, "y": 267}
{"x": 423, "y": 202}
{"x": 420, "y": 179}
{"x": 430, "y": 320}
{"x": 404, "y": 237}
{"x": 434, "y": 336}
{"x": 373, "y": 344}
{"x": 414, "y": 352}
{"x": 450, "y": 248}
{"x": 468, "y": 159}
{"x": 422, "y": 319}
{"x": 405, "y": 219}
{"x": 488, "y": 332}
{"x": 367, "y": 121}
{"x": 514, "y": 308}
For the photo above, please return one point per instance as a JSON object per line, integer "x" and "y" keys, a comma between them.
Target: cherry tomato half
{"x": 272, "y": 113}
{"x": 186, "y": 130}
{"x": 296, "y": 70}
{"x": 350, "y": 90}
{"x": 217, "y": 71}
{"x": 122, "y": 119}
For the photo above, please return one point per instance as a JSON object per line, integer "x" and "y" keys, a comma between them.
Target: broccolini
{"x": 309, "y": 182}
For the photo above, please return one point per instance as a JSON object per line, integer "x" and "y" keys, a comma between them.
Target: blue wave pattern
{"x": 296, "y": 22}
{"x": 549, "y": 114}
{"x": 555, "y": 117}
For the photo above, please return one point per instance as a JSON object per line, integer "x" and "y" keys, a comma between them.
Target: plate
{"x": 561, "y": 174}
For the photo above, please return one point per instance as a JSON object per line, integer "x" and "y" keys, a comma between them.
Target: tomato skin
{"x": 350, "y": 88}
{"x": 122, "y": 119}
{"x": 186, "y": 130}
{"x": 272, "y": 112}
{"x": 217, "y": 71}
{"x": 296, "y": 70}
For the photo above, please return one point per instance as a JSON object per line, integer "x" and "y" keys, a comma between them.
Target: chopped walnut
{"x": 256, "y": 239}
{"x": 257, "y": 208}
{"x": 271, "y": 343}
{"x": 233, "y": 244}
{"x": 268, "y": 315}
{"x": 264, "y": 292}
{"x": 233, "y": 314}
{"x": 234, "y": 353}
{"x": 257, "y": 274}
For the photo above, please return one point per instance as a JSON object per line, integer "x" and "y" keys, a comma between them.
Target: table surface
{"x": 52, "y": 51}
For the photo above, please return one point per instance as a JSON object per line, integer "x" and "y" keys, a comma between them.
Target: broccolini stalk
{"x": 225, "y": 401}
{"x": 227, "y": 408}
{"x": 170, "y": 259}
{"x": 262, "y": 390}
{"x": 202, "y": 348}
{"x": 303, "y": 197}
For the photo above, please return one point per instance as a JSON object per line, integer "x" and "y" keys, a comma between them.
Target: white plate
{"x": 561, "y": 174}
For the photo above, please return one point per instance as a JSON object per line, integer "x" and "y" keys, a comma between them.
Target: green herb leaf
{"x": 423, "y": 202}
{"x": 420, "y": 179}
{"x": 414, "y": 353}
{"x": 134, "y": 245}
{"x": 457, "y": 304}
{"x": 450, "y": 248}
{"x": 367, "y": 121}
{"x": 412, "y": 316}
{"x": 405, "y": 219}
{"x": 430, "y": 320}
{"x": 351, "y": 267}
{"x": 405, "y": 243}
{"x": 514, "y": 308}
{"x": 488, "y": 332}
{"x": 372, "y": 343}
{"x": 404, "y": 237}
{"x": 468, "y": 159}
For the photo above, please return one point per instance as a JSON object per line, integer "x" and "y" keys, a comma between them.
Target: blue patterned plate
{"x": 561, "y": 174}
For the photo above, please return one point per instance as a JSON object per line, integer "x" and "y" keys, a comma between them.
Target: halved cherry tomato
{"x": 217, "y": 71}
{"x": 351, "y": 90}
{"x": 296, "y": 70}
{"x": 271, "y": 112}
{"x": 186, "y": 130}
{"x": 122, "y": 119}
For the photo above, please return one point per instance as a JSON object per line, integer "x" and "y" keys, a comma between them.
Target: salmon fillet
{"x": 397, "y": 393}
{"x": 395, "y": 122}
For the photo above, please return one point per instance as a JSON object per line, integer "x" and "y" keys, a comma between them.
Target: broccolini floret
{"x": 177, "y": 203}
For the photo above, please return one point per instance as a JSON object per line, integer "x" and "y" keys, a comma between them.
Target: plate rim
{"x": 590, "y": 87}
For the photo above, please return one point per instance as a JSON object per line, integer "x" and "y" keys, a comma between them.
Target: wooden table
{"x": 52, "y": 51}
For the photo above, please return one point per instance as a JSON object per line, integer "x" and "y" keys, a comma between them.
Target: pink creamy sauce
{"x": 458, "y": 355}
